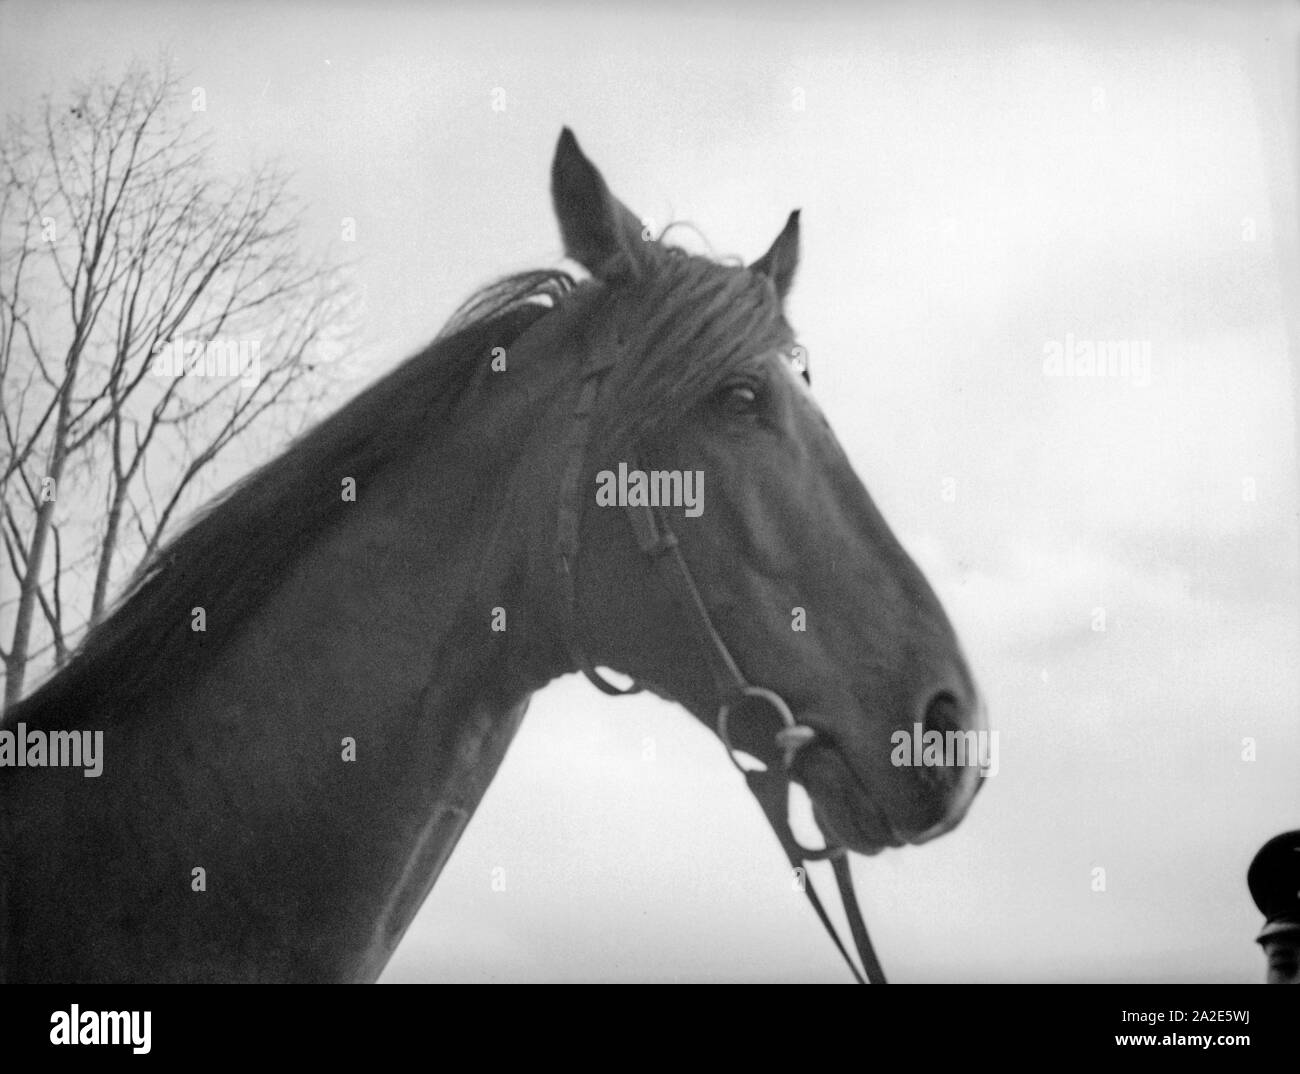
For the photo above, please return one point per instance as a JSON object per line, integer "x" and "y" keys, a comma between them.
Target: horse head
{"x": 705, "y": 400}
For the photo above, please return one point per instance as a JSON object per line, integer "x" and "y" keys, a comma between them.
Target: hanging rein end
{"x": 772, "y": 789}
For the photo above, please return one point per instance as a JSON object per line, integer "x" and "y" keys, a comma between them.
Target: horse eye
{"x": 738, "y": 398}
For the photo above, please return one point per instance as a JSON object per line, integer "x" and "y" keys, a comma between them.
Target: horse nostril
{"x": 942, "y": 714}
{"x": 943, "y": 717}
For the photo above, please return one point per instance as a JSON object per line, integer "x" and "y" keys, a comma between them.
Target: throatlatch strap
{"x": 570, "y": 516}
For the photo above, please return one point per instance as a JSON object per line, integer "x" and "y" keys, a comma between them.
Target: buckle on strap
{"x": 652, "y": 539}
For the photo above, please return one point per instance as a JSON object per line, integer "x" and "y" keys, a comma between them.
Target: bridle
{"x": 655, "y": 539}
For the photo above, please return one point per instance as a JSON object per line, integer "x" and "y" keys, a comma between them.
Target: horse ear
{"x": 780, "y": 262}
{"x": 595, "y": 225}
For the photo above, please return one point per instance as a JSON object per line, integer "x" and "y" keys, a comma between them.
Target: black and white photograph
{"x": 716, "y": 493}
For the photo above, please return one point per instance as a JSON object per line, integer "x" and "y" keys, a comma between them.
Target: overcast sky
{"x": 976, "y": 185}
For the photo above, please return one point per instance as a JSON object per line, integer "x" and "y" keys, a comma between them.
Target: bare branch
{"x": 121, "y": 249}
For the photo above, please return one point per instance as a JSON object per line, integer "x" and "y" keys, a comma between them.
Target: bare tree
{"x": 150, "y": 315}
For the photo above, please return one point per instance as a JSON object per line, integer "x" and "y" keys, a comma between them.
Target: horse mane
{"x": 670, "y": 305}
{"x": 237, "y": 549}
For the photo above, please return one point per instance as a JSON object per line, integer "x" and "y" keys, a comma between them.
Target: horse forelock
{"x": 683, "y": 326}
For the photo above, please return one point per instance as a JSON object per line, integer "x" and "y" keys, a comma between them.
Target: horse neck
{"x": 379, "y": 644}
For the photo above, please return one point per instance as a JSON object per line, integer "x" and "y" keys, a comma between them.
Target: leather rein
{"x": 770, "y": 785}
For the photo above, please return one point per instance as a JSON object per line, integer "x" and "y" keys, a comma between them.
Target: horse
{"x": 306, "y": 693}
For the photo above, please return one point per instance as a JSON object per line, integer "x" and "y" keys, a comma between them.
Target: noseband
{"x": 770, "y": 785}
